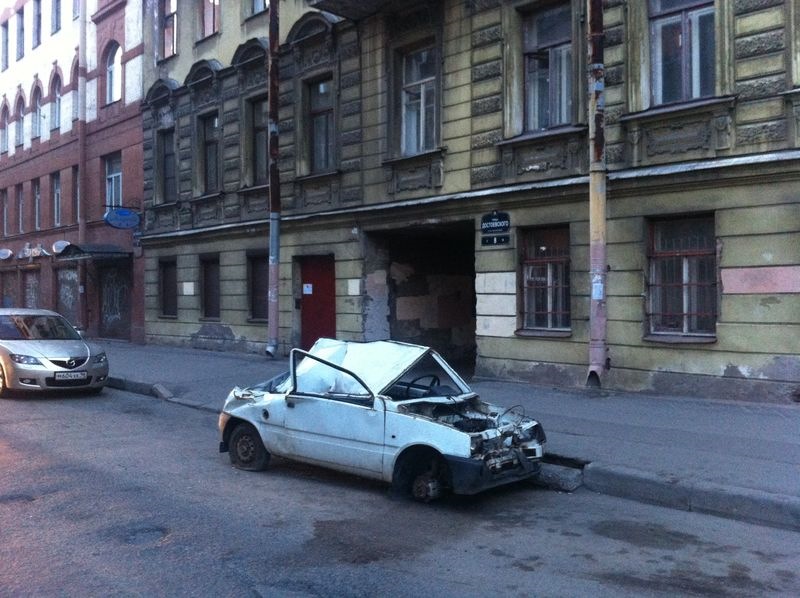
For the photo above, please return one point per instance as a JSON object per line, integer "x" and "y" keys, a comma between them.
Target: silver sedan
{"x": 41, "y": 351}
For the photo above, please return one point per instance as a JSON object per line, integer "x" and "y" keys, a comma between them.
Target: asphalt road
{"x": 127, "y": 495}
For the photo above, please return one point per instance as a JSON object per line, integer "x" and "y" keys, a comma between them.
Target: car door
{"x": 336, "y": 423}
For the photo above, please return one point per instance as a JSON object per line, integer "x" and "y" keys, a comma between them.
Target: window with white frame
{"x": 55, "y": 104}
{"x": 74, "y": 94}
{"x": 320, "y": 125}
{"x": 37, "y": 23}
{"x": 19, "y": 136}
{"x": 419, "y": 109}
{"x": 209, "y": 17}
{"x": 37, "y": 204}
{"x": 76, "y": 193}
{"x": 546, "y": 279}
{"x": 548, "y": 68}
{"x": 4, "y": 130}
{"x": 4, "y": 207}
{"x": 113, "y": 168}
{"x": 682, "y": 290}
{"x": 209, "y": 163}
{"x": 20, "y": 33}
{"x": 4, "y": 43}
{"x": 260, "y": 141}
{"x": 682, "y": 48}
{"x": 257, "y": 6}
{"x": 114, "y": 74}
{"x": 168, "y": 15}
{"x": 20, "y": 208}
{"x": 55, "y": 16}
{"x": 168, "y": 184}
{"x": 36, "y": 114}
{"x": 55, "y": 189}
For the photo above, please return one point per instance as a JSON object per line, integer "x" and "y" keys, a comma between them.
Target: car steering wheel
{"x": 434, "y": 382}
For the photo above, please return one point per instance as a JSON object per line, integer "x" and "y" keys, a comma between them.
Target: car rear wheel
{"x": 246, "y": 449}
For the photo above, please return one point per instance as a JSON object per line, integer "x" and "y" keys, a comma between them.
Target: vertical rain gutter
{"x": 599, "y": 361}
{"x": 82, "y": 166}
{"x": 274, "y": 184}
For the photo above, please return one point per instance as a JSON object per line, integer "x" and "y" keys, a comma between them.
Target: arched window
{"x": 74, "y": 93}
{"x": 114, "y": 74}
{"x": 55, "y": 104}
{"x": 36, "y": 114}
{"x": 4, "y": 130}
{"x": 18, "y": 125}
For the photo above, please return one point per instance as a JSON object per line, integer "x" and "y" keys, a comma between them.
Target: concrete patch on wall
{"x": 764, "y": 280}
{"x": 217, "y": 337}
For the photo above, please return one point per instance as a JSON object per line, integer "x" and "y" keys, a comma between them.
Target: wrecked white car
{"x": 384, "y": 410}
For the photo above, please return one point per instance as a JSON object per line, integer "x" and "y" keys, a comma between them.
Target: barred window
{"x": 683, "y": 277}
{"x": 258, "y": 284}
{"x": 545, "y": 278}
{"x": 209, "y": 281}
{"x": 168, "y": 287}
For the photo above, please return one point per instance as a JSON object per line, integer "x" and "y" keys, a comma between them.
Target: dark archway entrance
{"x": 429, "y": 294}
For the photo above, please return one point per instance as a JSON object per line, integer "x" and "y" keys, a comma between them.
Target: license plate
{"x": 70, "y": 375}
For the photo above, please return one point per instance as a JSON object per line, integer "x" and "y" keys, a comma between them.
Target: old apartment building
{"x": 70, "y": 159}
{"x": 435, "y": 187}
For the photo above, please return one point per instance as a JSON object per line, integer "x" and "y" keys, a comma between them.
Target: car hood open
{"x": 377, "y": 363}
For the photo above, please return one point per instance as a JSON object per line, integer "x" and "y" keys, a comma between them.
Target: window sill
{"x": 216, "y": 319}
{"x": 542, "y": 333}
{"x": 257, "y": 320}
{"x": 207, "y": 38}
{"x": 166, "y": 317}
{"x": 680, "y": 339}
{"x": 208, "y": 196}
{"x": 681, "y": 108}
{"x": 424, "y": 156}
{"x": 166, "y": 59}
{"x": 257, "y": 188}
{"x": 547, "y": 134}
{"x": 255, "y": 15}
{"x": 317, "y": 176}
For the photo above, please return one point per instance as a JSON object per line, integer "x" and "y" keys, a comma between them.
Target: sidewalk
{"x": 733, "y": 459}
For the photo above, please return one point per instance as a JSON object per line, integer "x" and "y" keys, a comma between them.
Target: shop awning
{"x": 97, "y": 251}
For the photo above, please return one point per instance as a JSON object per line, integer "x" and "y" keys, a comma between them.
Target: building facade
{"x": 70, "y": 156}
{"x": 206, "y": 196}
{"x": 435, "y": 189}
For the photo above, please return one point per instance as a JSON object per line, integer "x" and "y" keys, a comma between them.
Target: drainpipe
{"x": 274, "y": 184}
{"x": 83, "y": 314}
{"x": 599, "y": 361}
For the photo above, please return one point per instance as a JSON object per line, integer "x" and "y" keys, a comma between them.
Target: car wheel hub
{"x": 245, "y": 448}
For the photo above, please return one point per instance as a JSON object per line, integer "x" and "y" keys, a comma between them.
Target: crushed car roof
{"x": 377, "y": 363}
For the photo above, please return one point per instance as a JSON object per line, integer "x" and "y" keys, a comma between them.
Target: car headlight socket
{"x": 25, "y": 359}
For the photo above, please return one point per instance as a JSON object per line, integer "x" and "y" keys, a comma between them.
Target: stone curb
{"x": 754, "y": 506}
{"x": 745, "y": 504}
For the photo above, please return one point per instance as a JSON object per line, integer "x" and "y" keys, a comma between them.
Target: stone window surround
{"x": 638, "y": 68}
{"x": 513, "y": 58}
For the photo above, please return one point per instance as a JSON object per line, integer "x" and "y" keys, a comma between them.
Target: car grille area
{"x": 52, "y": 382}
{"x": 69, "y": 363}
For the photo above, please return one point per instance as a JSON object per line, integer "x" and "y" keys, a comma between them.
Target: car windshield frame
{"x": 36, "y": 327}
{"x": 329, "y": 353}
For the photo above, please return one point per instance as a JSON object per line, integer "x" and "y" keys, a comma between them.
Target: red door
{"x": 317, "y": 300}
